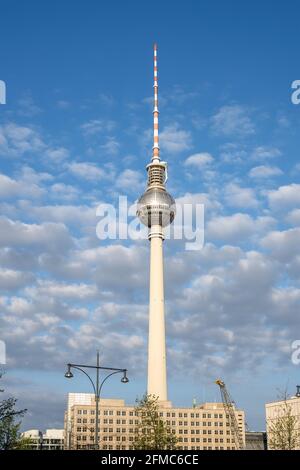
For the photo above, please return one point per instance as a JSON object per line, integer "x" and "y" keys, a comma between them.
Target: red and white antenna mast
{"x": 155, "y": 155}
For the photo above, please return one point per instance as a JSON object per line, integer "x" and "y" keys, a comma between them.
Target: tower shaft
{"x": 157, "y": 367}
{"x": 156, "y": 209}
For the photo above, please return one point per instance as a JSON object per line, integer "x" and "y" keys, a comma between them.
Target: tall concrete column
{"x": 157, "y": 367}
{"x": 156, "y": 209}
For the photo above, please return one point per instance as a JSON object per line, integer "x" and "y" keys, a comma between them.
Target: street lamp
{"x": 97, "y": 387}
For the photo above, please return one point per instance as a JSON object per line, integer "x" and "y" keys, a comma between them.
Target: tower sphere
{"x": 156, "y": 207}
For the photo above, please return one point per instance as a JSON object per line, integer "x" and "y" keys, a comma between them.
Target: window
{"x": 84, "y": 412}
{"x": 79, "y": 420}
{"x": 79, "y": 412}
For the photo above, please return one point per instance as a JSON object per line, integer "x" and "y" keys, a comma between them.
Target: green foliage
{"x": 10, "y": 436}
{"x": 152, "y": 433}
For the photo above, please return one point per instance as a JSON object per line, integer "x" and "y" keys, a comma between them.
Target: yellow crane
{"x": 230, "y": 410}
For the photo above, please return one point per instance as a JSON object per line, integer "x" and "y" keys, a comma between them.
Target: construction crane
{"x": 230, "y": 410}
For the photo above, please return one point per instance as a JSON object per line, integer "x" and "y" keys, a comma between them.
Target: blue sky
{"x": 76, "y": 131}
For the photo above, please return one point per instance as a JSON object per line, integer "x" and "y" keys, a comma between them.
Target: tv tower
{"x": 156, "y": 210}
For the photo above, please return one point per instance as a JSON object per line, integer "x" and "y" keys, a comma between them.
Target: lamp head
{"x": 124, "y": 379}
{"x": 69, "y": 374}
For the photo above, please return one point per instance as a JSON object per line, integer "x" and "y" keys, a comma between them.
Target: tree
{"x": 10, "y": 436}
{"x": 152, "y": 433}
{"x": 283, "y": 429}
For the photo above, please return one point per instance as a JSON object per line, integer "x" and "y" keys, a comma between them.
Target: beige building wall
{"x": 204, "y": 427}
{"x": 274, "y": 409}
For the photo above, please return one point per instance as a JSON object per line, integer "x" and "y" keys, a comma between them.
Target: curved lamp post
{"x": 97, "y": 387}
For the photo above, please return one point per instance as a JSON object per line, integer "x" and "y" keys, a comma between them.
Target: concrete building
{"x": 256, "y": 440}
{"x": 52, "y": 439}
{"x": 203, "y": 427}
{"x": 275, "y": 410}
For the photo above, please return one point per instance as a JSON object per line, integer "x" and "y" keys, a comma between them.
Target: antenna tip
{"x": 155, "y": 46}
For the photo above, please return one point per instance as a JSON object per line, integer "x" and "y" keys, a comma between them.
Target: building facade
{"x": 256, "y": 440}
{"x": 52, "y": 439}
{"x": 277, "y": 409}
{"x": 203, "y": 427}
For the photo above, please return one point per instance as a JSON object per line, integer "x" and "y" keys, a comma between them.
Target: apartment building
{"x": 202, "y": 427}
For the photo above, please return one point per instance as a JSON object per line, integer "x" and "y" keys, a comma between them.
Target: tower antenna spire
{"x": 155, "y": 154}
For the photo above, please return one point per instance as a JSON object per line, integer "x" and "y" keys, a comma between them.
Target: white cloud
{"x": 12, "y": 280}
{"x": 285, "y": 196}
{"x": 130, "y": 180}
{"x": 63, "y": 290}
{"x": 88, "y": 171}
{"x": 265, "y": 152}
{"x": 10, "y": 188}
{"x": 236, "y": 227}
{"x": 283, "y": 245}
{"x": 236, "y": 196}
{"x": 57, "y": 155}
{"x": 66, "y": 214}
{"x": 111, "y": 147}
{"x": 47, "y": 236}
{"x": 175, "y": 140}
{"x": 233, "y": 153}
{"x": 199, "y": 160}
{"x": 293, "y": 217}
{"x": 27, "y": 107}
{"x": 97, "y": 126}
{"x": 16, "y": 140}
{"x": 232, "y": 120}
{"x": 265, "y": 171}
